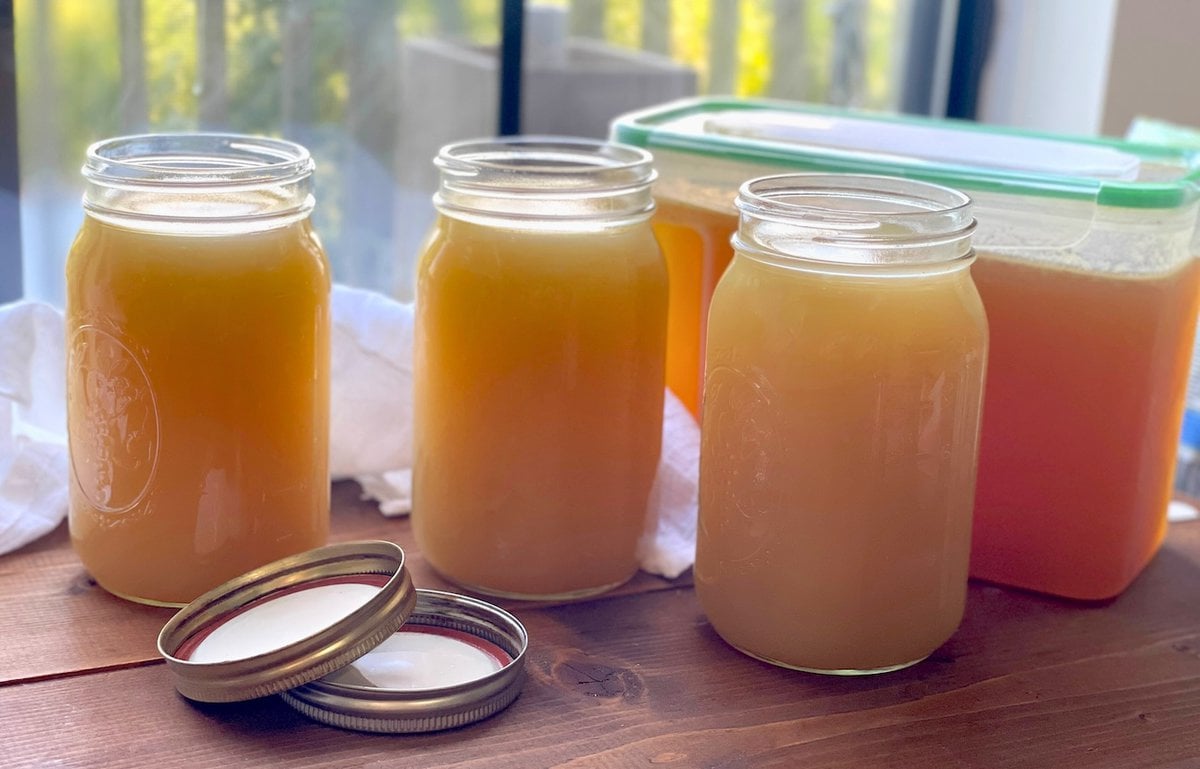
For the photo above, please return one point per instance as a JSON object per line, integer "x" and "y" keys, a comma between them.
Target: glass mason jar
{"x": 198, "y": 363}
{"x": 843, "y": 381}
{"x": 540, "y": 346}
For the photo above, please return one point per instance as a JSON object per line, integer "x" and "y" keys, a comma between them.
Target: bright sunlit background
{"x": 373, "y": 88}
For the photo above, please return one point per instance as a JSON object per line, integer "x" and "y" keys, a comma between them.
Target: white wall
{"x": 1155, "y": 64}
{"x": 1048, "y": 67}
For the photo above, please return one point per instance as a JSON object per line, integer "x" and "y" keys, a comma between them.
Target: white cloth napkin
{"x": 33, "y": 423}
{"x": 370, "y": 436}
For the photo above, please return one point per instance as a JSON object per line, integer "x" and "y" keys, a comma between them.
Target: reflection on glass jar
{"x": 198, "y": 363}
{"x": 844, "y": 372}
{"x": 540, "y": 344}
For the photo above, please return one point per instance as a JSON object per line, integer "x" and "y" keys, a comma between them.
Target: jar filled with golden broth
{"x": 198, "y": 363}
{"x": 843, "y": 379}
{"x": 540, "y": 345}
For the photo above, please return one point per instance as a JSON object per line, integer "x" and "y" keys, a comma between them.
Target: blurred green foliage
{"x": 326, "y": 73}
{"x": 69, "y": 56}
{"x": 70, "y": 78}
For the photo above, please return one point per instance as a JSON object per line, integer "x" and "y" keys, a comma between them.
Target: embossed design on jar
{"x": 113, "y": 421}
{"x": 744, "y": 442}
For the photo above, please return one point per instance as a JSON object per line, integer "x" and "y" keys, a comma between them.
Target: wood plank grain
{"x": 58, "y": 621}
{"x": 642, "y": 679}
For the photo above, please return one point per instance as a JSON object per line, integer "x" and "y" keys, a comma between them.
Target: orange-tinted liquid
{"x": 1081, "y": 420}
{"x": 198, "y": 405}
{"x": 538, "y": 404}
{"x": 838, "y": 453}
{"x": 695, "y": 244}
{"x": 1084, "y": 400}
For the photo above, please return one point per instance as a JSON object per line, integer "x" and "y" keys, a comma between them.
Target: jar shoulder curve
{"x": 86, "y": 239}
{"x": 773, "y": 300}
{"x": 527, "y": 245}
{"x": 294, "y": 242}
{"x": 973, "y": 305}
{"x": 311, "y": 243}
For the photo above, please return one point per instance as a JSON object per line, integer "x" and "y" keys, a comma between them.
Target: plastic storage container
{"x": 1086, "y": 265}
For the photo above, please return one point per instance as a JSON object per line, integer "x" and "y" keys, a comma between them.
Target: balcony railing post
{"x": 791, "y": 51}
{"x": 296, "y": 76}
{"x": 210, "y": 65}
{"x": 656, "y": 26}
{"x": 723, "y": 47}
{"x": 587, "y": 19}
{"x": 847, "y": 66}
{"x": 368, "y": 165}
{"x": 130, "y": 29}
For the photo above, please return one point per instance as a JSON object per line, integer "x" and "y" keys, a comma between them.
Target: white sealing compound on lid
{"x": 422, "y": 658}
{"x": 281, "y": 621}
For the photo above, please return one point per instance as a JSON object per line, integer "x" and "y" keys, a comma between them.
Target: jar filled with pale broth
{"x": 843, "y": 379}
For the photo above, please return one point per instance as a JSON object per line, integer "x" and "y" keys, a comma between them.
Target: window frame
{"x": 11, "y": 279}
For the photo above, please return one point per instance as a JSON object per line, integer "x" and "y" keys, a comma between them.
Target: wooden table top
{"x": 638, "y": 678}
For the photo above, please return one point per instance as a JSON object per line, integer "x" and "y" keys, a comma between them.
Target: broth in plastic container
{"x": 1086, "y": 266}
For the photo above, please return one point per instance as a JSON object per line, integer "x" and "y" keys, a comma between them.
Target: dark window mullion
{"x": 10, "y": 176}
{"x": 972, "y": 44}
{"x": 512, "y": 26}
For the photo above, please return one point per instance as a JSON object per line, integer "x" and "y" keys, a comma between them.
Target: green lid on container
{"x": 955, "y": 153}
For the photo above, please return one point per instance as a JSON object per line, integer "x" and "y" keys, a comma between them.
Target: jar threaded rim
{"x": 546, "y": 178}
{"x": 145, "y": 179}
{"x": 854, "y": 219}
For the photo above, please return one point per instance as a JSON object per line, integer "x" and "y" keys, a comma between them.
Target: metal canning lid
{"x": 289, "y": 622}
{"x": 457, "y": 660}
